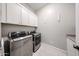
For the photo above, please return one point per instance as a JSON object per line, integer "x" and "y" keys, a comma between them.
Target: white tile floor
{"x": 49, "y": 50}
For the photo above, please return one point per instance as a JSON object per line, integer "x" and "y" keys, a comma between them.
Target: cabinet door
{"x": 3, "y": 12}
{"x": 13, "y": 13}
{"x": 32, "y": 19}
{"x": 25, "y": 18}
{"x": 70, "y": 49}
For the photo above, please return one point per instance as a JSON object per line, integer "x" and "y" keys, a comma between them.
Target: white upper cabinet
{"x": 3, "y": 12}
{"x": 29, "y": 18}
{"x": 32, "y": 19}
{"x": 13, "y": 13}
{"x": 25, "y": 18}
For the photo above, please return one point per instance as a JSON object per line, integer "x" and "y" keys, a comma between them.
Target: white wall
{"x": 55, "y": 21}
{"x": 6, "y": 28}
{"x": 77, "y": 23}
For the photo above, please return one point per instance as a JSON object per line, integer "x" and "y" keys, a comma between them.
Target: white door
{"x": 13, "y": 13}
{"x": 25, "y": 18}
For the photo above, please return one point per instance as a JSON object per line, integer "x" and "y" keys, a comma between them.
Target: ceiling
{"x": 36, "y": 6}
